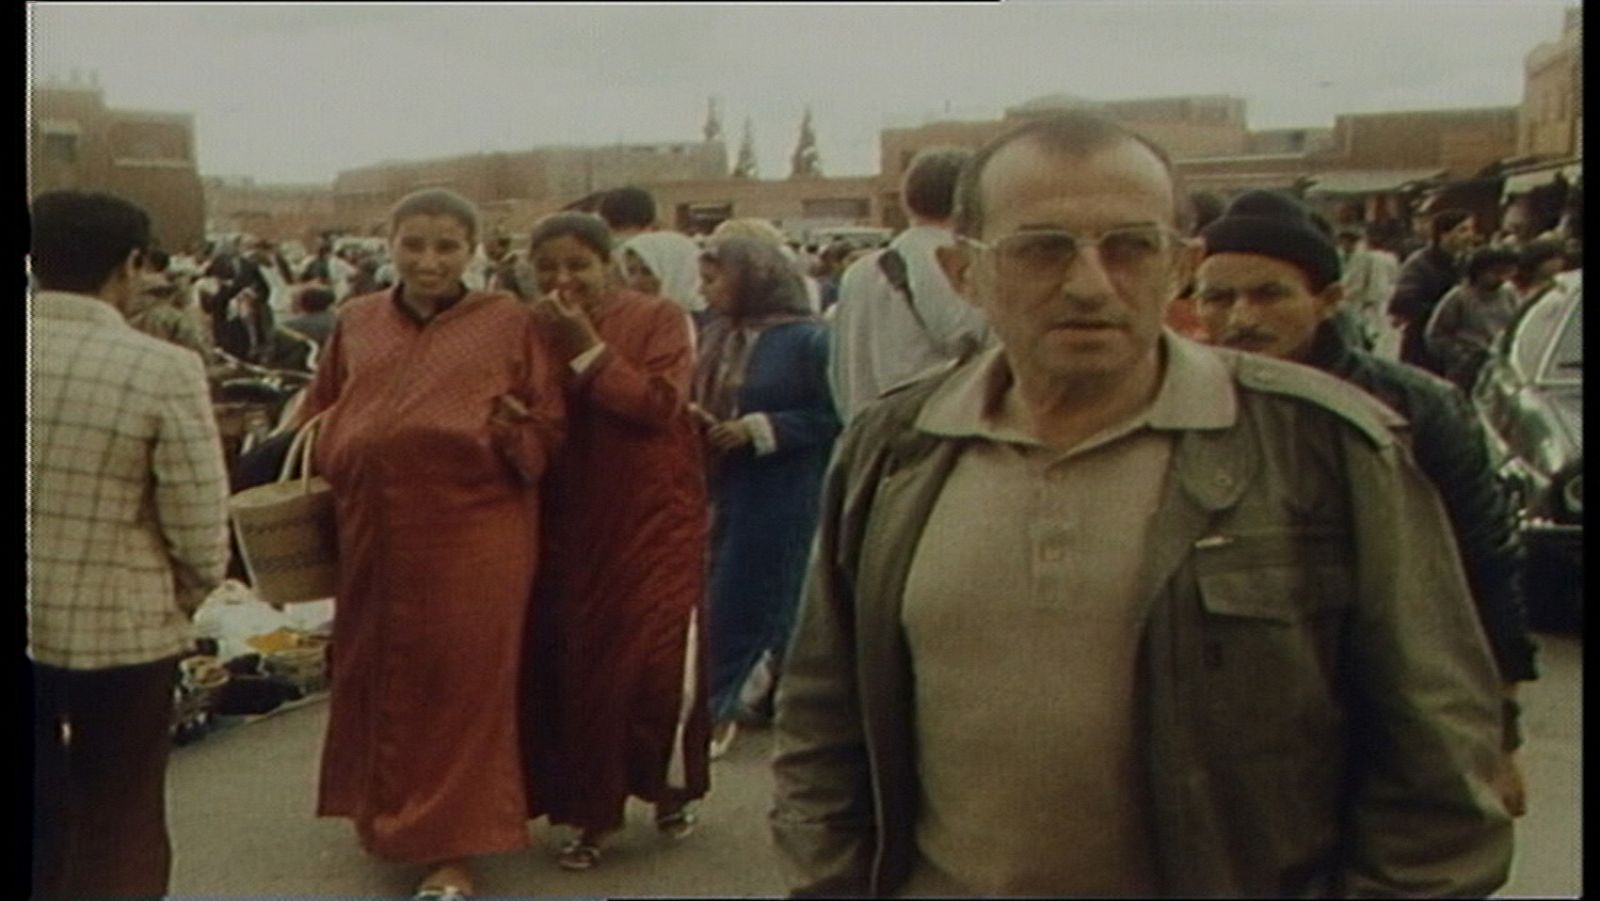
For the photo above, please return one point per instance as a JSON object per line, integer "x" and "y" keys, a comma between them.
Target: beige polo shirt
{"x": 1021, "y": 616}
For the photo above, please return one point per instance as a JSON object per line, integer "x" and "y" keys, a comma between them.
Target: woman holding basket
{"x": 442, "y": 406}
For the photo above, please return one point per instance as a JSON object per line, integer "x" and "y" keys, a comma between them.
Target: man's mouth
{"x": 1087, "y": 325}
{"x": 1248, "y": 342}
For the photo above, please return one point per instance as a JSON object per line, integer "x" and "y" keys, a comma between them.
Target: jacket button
{"x": 1224, "y": 480}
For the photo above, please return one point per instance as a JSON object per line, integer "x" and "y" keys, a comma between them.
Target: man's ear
{"x": 127, "y": 271}
{"x": 1329, "y": 299}
{"x": 1191, "y": 251}
{"x": 957, "y": 262}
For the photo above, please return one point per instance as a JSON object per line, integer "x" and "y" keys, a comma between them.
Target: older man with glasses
{"x": 1102, "y": 611}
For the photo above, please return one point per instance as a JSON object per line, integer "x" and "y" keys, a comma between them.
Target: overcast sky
{"x": 295, "y": 93}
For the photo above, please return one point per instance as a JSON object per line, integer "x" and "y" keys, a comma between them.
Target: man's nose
{"x": 1241, "y": 315}
{"x": 1087, "y": 276}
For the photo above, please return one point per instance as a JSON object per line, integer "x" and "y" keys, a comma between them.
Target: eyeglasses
{"x": 1046, "y": 254}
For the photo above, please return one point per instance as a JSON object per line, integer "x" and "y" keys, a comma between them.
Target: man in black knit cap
{"x": 1270, "y": 283}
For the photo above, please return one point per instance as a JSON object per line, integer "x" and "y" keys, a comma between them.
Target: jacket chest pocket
{"x": 1272, "y": 608}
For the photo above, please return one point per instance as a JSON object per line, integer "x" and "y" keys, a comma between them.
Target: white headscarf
{"x": 674, "y": 260}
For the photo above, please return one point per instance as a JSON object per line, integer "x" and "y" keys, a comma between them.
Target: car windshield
{"x": 1566, "y": 360}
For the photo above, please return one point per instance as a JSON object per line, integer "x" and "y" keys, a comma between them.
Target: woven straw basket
{"x": 286, "y": 530}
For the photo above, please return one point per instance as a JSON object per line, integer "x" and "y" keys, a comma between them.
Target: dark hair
{"x": 78, "y": 239}
{"x": 1385, "y": 234}
{"x": 315, "y": 300}
{"x": 1445, "y": 220}
{"x": 589, "y": 229}
{"x": 929, "y": 188}
{"x": 437, "y": 202}
{"x": 1535, "y": 254}
{"x": 157, "y": 260}
{"x": 1488, "y": 258}
{"x": 628, "y": 207}
{"x": 1076, "y": 134}
{"x": 1207, "y": 207}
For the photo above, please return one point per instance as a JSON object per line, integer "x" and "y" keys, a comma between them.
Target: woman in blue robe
{"x": 763, "y": 391}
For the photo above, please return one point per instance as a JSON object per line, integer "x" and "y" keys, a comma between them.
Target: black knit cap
{"x": 1275, "y": 225}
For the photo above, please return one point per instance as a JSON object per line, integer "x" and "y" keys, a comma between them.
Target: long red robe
{"x": 622, "y": 707}
{"x": 438, "y": 539}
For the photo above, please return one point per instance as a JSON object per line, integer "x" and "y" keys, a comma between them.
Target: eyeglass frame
{"x": 1177, "y": 241}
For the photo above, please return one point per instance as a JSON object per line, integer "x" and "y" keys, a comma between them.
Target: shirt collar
{"x": 69, "y": 305}
{"x": 1196, "y": 392}
{"x": 440, "y": 310}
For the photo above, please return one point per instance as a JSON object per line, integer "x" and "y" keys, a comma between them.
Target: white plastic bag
{"x": 232, "y": 615}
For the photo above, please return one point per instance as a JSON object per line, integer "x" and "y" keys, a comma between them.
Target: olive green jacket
{"x": 1318, "y": 706}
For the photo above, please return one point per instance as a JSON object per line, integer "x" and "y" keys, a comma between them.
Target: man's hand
{"x": 728, "y": 435}
{"x": 574, "y": 332}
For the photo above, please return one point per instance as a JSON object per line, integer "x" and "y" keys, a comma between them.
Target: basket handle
{"x": 300, "y": 452}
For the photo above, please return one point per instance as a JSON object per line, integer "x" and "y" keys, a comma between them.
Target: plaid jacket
{"x": 127, "y": 491}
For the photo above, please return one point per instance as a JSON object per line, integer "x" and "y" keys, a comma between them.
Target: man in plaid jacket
{"x": 127, "y": 533}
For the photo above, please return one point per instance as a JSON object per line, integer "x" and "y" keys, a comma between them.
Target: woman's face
{"x": 430, "y": 253}
{"x": 716, "y": 286}
{"x": 640, "y": 278}
{"x": 565, "y": 264}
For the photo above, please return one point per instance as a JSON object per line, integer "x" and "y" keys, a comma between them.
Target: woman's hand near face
{"x": 574, "y": 332}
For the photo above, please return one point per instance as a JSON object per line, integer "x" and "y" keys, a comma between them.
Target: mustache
{"x": 1246, "y": 336}
{"x": 1089, "y": 312}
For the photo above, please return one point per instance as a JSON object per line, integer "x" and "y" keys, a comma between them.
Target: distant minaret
{"x": 806, "y": 162}
{"x": 713, "y": 127}
{"x": 746, "y": 165}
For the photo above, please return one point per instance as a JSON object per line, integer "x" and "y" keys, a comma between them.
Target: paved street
{"x": 241, "y": 803}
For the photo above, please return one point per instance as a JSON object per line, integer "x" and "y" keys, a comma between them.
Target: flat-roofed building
{"x": 77, "y": 142}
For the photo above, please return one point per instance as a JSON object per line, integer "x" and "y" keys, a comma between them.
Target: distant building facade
{"x": 1551, "y": 117}
{"x": 77, "y": 142}
{"x": 1460, "y": 141}
{"x": 274, "y": 212}
{"x": 794, "y": 204}
{"x": 509, "y": 185}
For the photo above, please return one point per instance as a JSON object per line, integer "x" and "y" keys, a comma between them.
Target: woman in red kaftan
{"x": 442, "y": 408}
{"x": 622, "y": 710}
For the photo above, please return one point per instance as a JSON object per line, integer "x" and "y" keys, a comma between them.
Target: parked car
{"x": 1529, "y": 395}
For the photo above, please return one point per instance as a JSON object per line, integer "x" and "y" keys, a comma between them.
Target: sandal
{"x": 578, "y": 856}
{"x": 720, "y": 745}
{"x": 677, "y": 824}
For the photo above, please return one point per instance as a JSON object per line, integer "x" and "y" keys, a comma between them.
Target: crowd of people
{"x": 1091, "y": 537}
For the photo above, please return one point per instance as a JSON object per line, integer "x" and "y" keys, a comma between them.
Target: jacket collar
{"x": 1196, "y": 392}
{"x": 78, "y": 307}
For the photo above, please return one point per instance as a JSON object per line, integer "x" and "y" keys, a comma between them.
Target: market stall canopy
{"x": 1356, "y": 182}
{"x": 1528, "y": 180}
